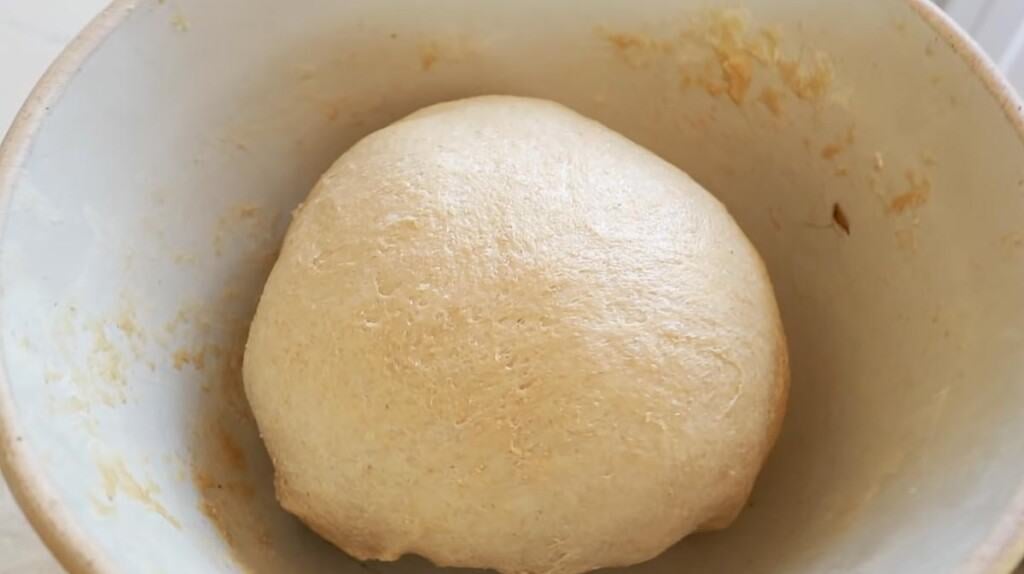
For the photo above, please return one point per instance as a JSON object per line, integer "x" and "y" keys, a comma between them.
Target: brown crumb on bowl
{"x": 840, "y": 219}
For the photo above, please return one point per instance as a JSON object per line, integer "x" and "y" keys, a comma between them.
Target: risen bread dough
{"x": 501, "y": 335}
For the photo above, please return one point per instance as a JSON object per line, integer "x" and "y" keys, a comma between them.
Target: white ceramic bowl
{"x": 867, "y": 148}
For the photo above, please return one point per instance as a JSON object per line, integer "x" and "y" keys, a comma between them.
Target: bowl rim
{"x": 78, "y": 553}
{"x": 1002, "y": 550}
{"x": 66, "y": 540}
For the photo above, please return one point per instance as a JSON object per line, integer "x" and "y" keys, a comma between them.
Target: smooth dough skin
{"x": 501, "y": 335}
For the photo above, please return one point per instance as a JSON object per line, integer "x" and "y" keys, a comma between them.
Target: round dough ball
{"x": 501, "y": 335}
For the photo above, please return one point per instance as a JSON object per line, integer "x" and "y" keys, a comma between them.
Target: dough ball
{"x": 501, "y": 335}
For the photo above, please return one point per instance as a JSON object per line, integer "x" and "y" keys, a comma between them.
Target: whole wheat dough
{"x": 502, "y": 335}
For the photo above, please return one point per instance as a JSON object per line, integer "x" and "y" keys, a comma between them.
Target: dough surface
{"x": 501, "y": 335}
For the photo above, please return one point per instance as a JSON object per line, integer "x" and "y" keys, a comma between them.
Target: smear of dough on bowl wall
{"x": 877, "y": 173}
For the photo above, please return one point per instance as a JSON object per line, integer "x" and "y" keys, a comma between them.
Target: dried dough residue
{"x": 906, "y": 239}
{"x": 808, "y": 80}
{"x": 625, "y": 43}
{"x": 184, "y": 357}
{"x": 428, "y": 55}
{"x": 917, "y": 194}
{"x": 126, "y": 322}
{"x": 769, "y": 97}
{"x": 245, "y": 220}
{"x": 738, "y": 76}
{"x": 723, "y": 53}
{"x": 118, "y": 481}
{"x": 637, "y": 50}
{"x": 106, "y": 360}
{"x": 180, "y": 23}
{"x": 831, "y": 150}
{"x": 103, "y": 378}
{"x": 726, "y": 33}
{"x": 1013, "y": 240}
{"x": 445, "y": 49}
{"x": 233, "y": 454}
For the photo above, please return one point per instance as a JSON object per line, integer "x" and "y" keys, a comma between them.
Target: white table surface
{"x": 32, "y": 34}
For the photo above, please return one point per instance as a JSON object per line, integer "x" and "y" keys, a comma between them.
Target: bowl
{"x": 871, "y": 153}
